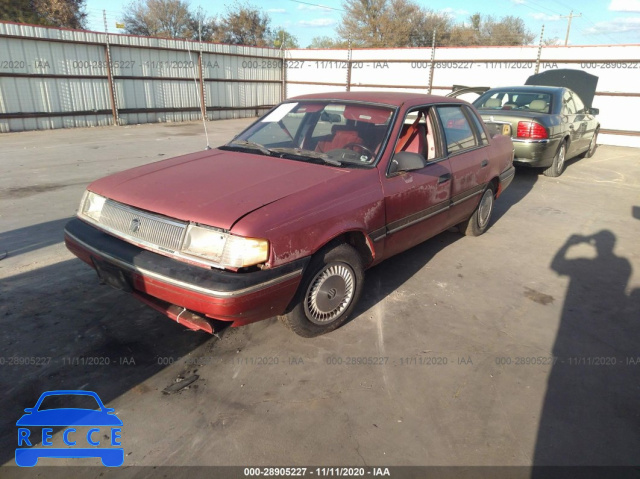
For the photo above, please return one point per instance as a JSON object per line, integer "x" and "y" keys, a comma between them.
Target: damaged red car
{"x": 284, "y": 219}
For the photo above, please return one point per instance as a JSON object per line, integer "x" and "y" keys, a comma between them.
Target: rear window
{"x": 514, "y": 100}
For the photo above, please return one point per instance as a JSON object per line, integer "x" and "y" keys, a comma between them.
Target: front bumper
{"x": 537, "y": 153}
{"x": 174, "y": 287}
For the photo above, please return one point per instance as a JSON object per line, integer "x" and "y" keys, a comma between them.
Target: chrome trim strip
{"x": 426, "y": 216}
{"x": 523, "y": 140}
{"x": 181, "y": 284}
{"x": 467, "y": 197}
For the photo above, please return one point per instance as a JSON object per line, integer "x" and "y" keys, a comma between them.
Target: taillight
{"x": 532, "y": 130}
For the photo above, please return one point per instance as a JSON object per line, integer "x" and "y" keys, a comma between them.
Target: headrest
{"x": 538, "y": 105}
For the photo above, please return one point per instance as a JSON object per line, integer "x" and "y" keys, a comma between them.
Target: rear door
{"x": 573, "y": 124}
{"x": 416, "y": 202}
{"x": 584, "y": 122}
{"x": 467, "y": 149}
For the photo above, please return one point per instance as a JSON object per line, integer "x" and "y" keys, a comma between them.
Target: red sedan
{"x": 284, "y": 219}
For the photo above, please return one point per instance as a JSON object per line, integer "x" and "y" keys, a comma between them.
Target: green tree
{"x": 392, "y": 23}
{"x": 327, "y": 42}
{"x": 281, "y": 35}
{"x": 244, "y": 24}
{"x": 488, "y": 30}
{"x": 159, "y": 18}
{"x": 57, "y": 13}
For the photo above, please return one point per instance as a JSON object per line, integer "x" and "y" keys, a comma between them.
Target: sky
{"x": 602, "y": 21}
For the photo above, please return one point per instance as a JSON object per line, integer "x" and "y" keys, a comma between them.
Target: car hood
{"x": 69, "y": 417}
{"x": 581, "y": 82}
{"x": 215, "y": 187}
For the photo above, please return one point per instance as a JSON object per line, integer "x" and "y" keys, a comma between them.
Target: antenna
{"x": 202, "y": 110}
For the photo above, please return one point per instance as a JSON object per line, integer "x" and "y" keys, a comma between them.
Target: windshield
{"x": 331, "y": 132}
{"x": 514, "y": 100}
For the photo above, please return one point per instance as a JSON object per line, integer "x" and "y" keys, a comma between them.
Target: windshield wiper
{"x": 251, "y": 145}
{"x": 308, "y": 154}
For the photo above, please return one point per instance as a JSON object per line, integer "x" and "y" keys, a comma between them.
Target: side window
{"x": 414, "y": 133}
{"x": 478, "y": 126}
{"x": 579, "y": 104}
{"x": 457, "y": 131}
{"x": 568, "y": 106}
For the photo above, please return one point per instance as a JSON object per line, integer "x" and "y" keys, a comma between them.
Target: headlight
{"x": 223, "y": 248}
{"x": 91, "y": 205}
{"x": 240, "y": 252}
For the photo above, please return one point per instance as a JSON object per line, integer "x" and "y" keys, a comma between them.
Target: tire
{"x": 557, "y": 167}
{"x": 479, "y": 221}
{"x": 328, "y": 293}
{"x": 592, "y": 145}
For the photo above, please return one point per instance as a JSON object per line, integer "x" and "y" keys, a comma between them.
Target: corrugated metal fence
{"x": 56, "y": 78}
{"x": 423, "y": 70}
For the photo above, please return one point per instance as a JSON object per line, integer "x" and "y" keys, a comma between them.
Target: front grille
{"x": 142, "y": 226}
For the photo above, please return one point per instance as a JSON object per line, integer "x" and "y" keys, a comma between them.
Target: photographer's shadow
{"x": 590, "y": 413}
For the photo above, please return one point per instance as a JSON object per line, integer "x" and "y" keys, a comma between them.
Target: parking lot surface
{"x": 518, "y": 347}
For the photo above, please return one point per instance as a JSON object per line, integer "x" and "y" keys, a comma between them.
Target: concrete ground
{"x": 518, "y": 347}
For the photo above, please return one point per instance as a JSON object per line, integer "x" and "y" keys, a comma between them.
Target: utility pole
{"x": 571, "y": 16}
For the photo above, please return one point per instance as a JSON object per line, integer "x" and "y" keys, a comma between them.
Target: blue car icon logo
{"x": 78, "y": 442}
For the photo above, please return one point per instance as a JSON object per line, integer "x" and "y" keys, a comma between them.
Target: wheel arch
{"x": 358, "y": 239}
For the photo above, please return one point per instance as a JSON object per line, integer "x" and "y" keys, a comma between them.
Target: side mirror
{"x": 593, "y": 111}
{"x": 407, "y": 161}
{"x": 28, "y": 410}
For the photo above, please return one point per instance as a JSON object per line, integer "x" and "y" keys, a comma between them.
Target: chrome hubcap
{"x": 484, "y": 210}
{"x": 561, "y": 158}
{"x": 330, "y": 293}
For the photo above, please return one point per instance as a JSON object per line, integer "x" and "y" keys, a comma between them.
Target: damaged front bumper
{"x": 186, "y": 293}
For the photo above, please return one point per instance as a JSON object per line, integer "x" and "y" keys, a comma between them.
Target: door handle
{"x": 484, "y": 163}
{"x": 444, "y": 178}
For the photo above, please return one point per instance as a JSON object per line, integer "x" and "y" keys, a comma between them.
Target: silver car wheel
{"x": 485, "y": 208}
{"x": 561, "y": 158}
{"x": 592, "y": 145}
{"x": 330, "y": 293}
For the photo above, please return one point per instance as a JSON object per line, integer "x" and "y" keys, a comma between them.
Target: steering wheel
{"x": 361, "y": 146}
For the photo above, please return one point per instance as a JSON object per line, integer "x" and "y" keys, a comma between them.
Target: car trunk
{"x": 495, "y": 119}
{"x": 581, "y": 82}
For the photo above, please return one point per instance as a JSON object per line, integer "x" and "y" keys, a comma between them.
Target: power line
{"x": 317, "y": 5}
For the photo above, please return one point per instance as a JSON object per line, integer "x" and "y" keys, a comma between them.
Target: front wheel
{"x": 478, "y": 222}
{"x": 328, "y": 292}
{"x": 557, "y": 167}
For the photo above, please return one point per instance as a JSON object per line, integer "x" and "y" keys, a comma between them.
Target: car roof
{"x": 528, "y": 89}
{"x": 381, "y": 97}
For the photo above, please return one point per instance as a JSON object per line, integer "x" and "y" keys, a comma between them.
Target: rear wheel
{"x": 557, "y": 167}
{"x": 328, "y": 292}
{"x": 592, "y": 145}
{"x": 478, "y": 222}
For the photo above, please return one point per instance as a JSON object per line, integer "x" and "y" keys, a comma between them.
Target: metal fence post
{"x": 539, "y": 51}
{"x": 349, "y": 65}
{"x": 283, "y": 71}
{"x": 433, "y": 57}
{"x": 112, "y": 94}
